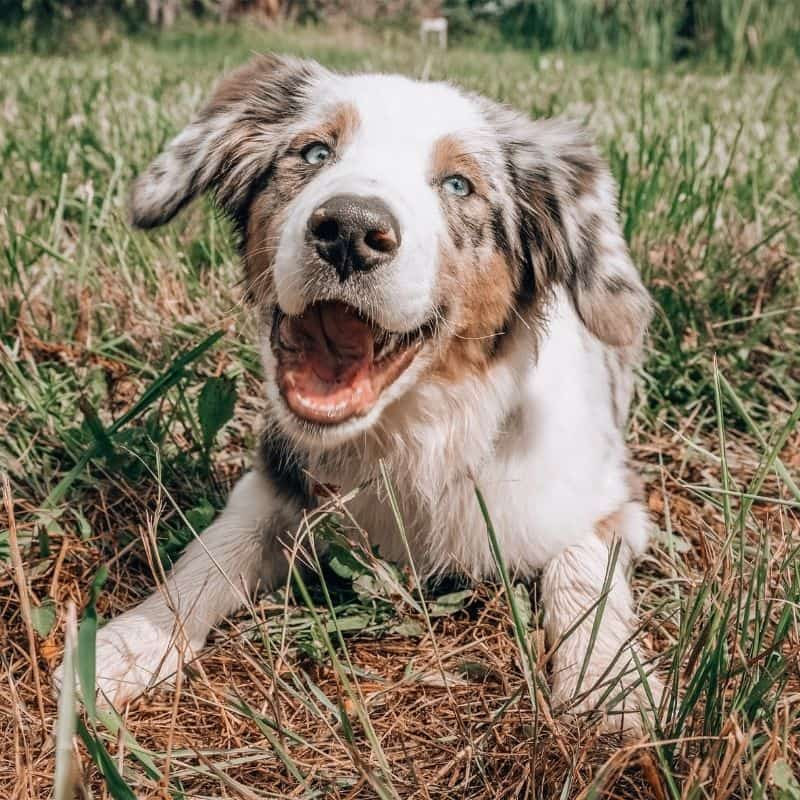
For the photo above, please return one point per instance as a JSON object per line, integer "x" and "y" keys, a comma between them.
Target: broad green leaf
{"x": 201, "y": 516}
{"x": 43, "y": 617}
{"x": 215, "y": 407}
{"x": 351, "y": 622}
{"x": 410, "y": 628}
{"x": 449, "y": 603}
{"x": 84, "y": 528}
{"x": 785, "y": 781}
{"x": 344, "y": 563}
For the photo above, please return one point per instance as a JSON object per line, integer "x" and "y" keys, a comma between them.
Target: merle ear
{"x": 230, "y": 143}
{"x": 569, "y": 225}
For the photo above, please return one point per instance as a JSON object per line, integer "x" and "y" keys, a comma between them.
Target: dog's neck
{"x": 438, "y": 432}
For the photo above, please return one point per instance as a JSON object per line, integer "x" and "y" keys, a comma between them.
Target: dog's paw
{"x": 620, "y": 704}
{"x": 131, "y": 654}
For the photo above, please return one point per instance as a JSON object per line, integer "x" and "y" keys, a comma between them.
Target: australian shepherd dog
{"x": 443, "y": 291}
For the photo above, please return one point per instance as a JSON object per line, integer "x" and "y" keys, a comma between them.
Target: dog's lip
{"x": 334, "y": 362}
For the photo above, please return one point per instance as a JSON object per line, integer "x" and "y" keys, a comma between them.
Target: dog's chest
{"x": 535, "y": 509}
{"x": 441, "y": 530}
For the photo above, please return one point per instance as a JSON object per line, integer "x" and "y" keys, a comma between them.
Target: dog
{"x": 443, "y": 291}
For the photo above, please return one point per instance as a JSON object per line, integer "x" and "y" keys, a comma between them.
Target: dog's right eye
{"x": 316, "y": 154}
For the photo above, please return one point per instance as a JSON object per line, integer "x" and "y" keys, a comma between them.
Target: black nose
{"x": 354, "y": 234}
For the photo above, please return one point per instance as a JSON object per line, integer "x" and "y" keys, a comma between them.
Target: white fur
{"x": 587, "y": 665}
{"x": 546, "y": 481}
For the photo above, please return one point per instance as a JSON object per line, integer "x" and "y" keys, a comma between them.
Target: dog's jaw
{"x": 333, "y": 364}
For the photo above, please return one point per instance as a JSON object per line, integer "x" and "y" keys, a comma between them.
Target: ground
{"x": 122, "y": 354}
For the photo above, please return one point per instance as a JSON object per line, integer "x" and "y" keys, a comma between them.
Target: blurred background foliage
{"x": 648, "y": 32}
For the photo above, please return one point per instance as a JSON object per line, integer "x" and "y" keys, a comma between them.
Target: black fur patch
{"x": 616, "y": 284}
{"x": 586, "y": 261}
{"x": 547, "y": 222}
{"x": 500, "y": 232}
{"x": 581, "y": 171}
{"x": 285, "y": 468}
{"x": 526, "y": 281}
{"x": 526, "y": 290}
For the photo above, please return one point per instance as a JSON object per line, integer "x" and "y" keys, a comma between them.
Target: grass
{"x": 735, "y": 32}
{"x": 123, "y": 355}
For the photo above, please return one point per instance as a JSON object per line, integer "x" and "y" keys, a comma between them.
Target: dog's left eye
{"x": 316, "y": 154}
{"x": 457, "y": 185}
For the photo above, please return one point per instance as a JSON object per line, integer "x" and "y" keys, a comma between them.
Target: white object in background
{"x": 437, "y": 26}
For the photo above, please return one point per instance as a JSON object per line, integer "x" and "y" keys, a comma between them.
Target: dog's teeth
{"x": 383, "y": 344}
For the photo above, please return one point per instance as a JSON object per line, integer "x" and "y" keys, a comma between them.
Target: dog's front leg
{"x": 238, "y": 553}
{"x": 595, "y": 663}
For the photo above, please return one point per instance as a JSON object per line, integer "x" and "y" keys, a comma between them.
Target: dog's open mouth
{"x": 333, "y": 363}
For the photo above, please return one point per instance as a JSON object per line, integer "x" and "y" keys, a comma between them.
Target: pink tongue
{"x": 336, "y": 343}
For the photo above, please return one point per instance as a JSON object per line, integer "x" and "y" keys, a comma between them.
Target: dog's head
{"x": 394, "y": 231}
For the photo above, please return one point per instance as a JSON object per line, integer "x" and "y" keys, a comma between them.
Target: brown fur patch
{"x": 581, "y": 165}
{"x": 476, "y": 275}
{"x": 336, "y": 131}
{"x": 263, "y": 235}
{"x": 267, "y": 217}
{"x": 608, "y": 530}
{"x": 233, "y": 88}
{"x": 261, "y": 81}
{"x": 451, "y": 156}
{"x": 474, "y": 332}
{"x": 635, "y": 486}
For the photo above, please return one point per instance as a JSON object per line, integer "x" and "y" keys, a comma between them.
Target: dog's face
{"x": 394, "y": 232}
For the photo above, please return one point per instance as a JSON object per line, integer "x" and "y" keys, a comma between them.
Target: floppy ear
{"x": 229, "y": 145}
{"x": 569, "y": 226}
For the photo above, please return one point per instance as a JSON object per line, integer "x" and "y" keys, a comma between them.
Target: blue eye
{"x": 316, "y": 154}
{"x": 457, "y": 185}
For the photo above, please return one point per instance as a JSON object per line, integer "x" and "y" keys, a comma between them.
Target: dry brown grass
{"x": 439, "y": 744}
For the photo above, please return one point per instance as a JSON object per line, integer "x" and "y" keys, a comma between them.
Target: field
{"x": 113, "y": 345}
